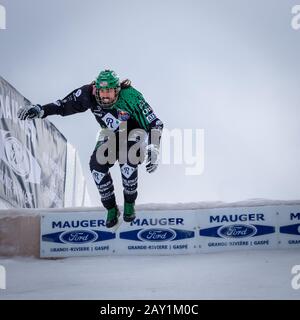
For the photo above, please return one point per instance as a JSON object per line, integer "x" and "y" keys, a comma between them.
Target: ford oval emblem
{"x": 237, "y": 231}
{"x": 156, "y": 235}
{"x": 78, "y": 236}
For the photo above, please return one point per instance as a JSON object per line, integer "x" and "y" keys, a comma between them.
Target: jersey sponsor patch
{"x": 70, "y": 97}
{"x": 78, "y": 93}
{"x": 151, "y": 117}
{"x": 142, "y": 104}
{"x": 127, "y": 170}
{"x": 147, "y": 110}
{"x": 111, "y": 122}
{"x": 123, "y": 115}
{"x": 98, "y": 176}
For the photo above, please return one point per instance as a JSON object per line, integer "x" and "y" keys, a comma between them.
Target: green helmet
{"x": 107, "y": 79}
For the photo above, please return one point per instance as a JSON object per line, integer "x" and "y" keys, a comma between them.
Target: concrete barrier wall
{"x": 178, "y": 229}
{"x": 20, "y": 229}
{"x": 19, "y": 233}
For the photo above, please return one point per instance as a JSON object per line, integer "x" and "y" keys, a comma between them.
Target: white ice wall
{"x": 76, "y": 192}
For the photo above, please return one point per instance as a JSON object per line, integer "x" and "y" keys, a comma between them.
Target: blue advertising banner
{"x": 237, "y": 228}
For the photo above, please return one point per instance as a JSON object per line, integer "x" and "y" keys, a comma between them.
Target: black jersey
{"x": 130, "y": 107}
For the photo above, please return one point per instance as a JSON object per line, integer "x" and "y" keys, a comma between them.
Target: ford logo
{"x": 78, "y": 236}
{"x": 156, "y": 235}
{"x": 237, "y": 231}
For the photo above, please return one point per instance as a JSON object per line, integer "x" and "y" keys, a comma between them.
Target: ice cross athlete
{"x": 115, "y": 105}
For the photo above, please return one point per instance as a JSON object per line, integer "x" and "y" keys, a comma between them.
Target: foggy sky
{"x": 229, "y": 67}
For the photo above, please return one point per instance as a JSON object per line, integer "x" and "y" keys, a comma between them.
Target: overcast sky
{"x": 230, "y": 67}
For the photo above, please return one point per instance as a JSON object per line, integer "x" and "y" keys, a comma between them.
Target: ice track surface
{"x": 264, "y": 274}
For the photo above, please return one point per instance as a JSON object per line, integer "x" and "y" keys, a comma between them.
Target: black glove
{"x": 152, "y": 153}
{"x": 31, "y": 112}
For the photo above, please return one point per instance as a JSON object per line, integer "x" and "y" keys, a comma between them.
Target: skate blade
{"x": 117, "y": 225}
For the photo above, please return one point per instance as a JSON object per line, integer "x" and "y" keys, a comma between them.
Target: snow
{"x": 263, "y": 274}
